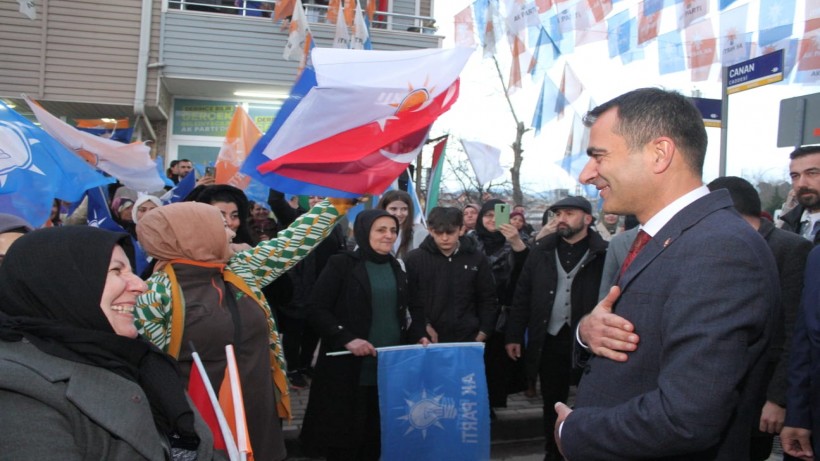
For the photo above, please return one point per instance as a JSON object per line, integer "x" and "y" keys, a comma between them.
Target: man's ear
{"x": 663, "y": 152}
{"x": 588, "y": 219}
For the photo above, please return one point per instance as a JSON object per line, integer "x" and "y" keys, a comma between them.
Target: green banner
{"x": 199, "y": 117}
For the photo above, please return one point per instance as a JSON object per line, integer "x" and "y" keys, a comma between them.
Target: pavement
{"x": 516, "y": 434}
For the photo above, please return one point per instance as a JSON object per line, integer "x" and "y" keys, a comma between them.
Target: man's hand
{"x": 480, "y": 337}
{"x": 563, "y": 411}
{"x": 514, "y": 351}
{"x": 548, "y": 229}
{"x": 424, "y": 341}
{"x": 360, "y": 347}
{"x": 772, "y": 417}
{"x": 796, "y": 442}
{"x": 607, "y": 334}
{"x": 431, "y": 332}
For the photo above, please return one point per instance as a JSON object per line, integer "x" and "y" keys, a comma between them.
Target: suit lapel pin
{"x": 667, "y": 242}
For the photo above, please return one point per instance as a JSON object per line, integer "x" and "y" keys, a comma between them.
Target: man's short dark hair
{"x": 445, "y": 219}
{"x": 174, "y": 163}
{"x": 185, "y": 160}
{"x": 744, "y": 195}
{"x": 802, "y": 151}
{"x": 647, "y": 113}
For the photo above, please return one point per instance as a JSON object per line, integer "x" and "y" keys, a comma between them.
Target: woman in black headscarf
{"x": 76, "y": 382}
{"x": 506, "y": 252}
{"x": 359, "y": 303}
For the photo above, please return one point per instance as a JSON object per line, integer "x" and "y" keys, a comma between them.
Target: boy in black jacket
{"x": 452, "y": 282}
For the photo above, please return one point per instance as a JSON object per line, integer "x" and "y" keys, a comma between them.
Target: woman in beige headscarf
{"x": 204, "y": 295}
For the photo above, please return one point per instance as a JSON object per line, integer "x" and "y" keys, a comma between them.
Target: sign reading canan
{"x": 756, "y": 72}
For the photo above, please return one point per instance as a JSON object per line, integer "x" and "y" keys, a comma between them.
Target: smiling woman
{"x": 66, "y": 329}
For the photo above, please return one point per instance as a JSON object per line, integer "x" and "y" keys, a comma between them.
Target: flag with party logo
{"x": 433, "y": 402}
{"x": 131, "y": 163}
{"x": 735, "y": 41}
{"x": 354, "y": 122}
{"x": 361, "y": 34}
{"x": 35, "y": 169}
{"x": 109, "y": 128}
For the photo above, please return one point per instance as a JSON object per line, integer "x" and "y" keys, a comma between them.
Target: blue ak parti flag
{"x": 99, "y": 215}
{"x": 35, "y": 169}
{"x": 178, "y": 193}
{"x": 434, "y": 403}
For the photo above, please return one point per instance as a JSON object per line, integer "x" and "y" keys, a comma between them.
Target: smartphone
{"x": 210, "y": 171}
{"x": 502, "y": 214}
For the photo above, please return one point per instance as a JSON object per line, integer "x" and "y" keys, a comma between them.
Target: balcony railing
{"x": 315, "y": 13}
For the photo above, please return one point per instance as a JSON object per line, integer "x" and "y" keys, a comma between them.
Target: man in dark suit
{"x": 701, "y": 293}
{"x": 801, "y": 436}
{"x": 790, "y": 252}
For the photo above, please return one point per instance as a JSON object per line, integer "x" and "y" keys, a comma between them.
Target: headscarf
{"x": 12, "y": 223}
{"x": 142, "y": 199}
{"x": 184, "y": 230}
{"x": 51, "y": 284}
{"x": 361, "y": 232}
{"x": 493, "y": 241}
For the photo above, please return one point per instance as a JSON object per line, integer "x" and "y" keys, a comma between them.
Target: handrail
{"x": 315, "y": 13}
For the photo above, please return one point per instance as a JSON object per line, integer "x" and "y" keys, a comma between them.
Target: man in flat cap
{"x": 558, "y": 286}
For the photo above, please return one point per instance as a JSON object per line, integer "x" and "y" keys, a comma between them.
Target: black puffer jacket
{"x": 456, "y": 292}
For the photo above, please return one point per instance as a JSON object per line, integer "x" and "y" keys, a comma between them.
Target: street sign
{"x": 755, "y": 72}
{"x": 799, "y": 122}
{"x": 710, "y": 109}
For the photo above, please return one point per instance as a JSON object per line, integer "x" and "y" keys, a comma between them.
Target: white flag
{"x": 130, "y": 163}
{"x": 486, "y": 160}
{"x": 298, "y": 35}
{"x": 360, "y": 33}
{"x": 27, "y": 8}
{"x": 342, "y": 37}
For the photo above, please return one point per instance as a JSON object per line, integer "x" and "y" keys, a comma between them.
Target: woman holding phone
{"x": 501, "y": 242}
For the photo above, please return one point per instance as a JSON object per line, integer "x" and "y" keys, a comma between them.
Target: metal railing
{"x": 315, "y": 13}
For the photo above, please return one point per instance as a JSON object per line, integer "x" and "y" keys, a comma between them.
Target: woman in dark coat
{"x": 76, "y": 382}
{"x": 359, "y": 304}
{"x": 506, "y": 252}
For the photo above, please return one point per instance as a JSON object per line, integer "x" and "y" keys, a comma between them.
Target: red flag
{"x": 518, "y": 49}
{"x": 203, "y": 396}
{"x": 702, "y": 46}
{"x": 465, "y": 28}
{"x": 648, "y": 25}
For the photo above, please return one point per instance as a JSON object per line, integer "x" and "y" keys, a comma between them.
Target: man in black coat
{"x": 451, "y": 281}
{"x": 804, "y": 169}
{"x": 549, "y": 300}
{"x": 790, "y": 252}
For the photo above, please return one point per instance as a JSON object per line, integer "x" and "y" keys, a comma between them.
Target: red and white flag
{"x": 364, "y": 119}
{"x": 202, "y": 394}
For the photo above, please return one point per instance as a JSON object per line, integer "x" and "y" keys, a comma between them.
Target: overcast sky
{"x": 482, "y": 112}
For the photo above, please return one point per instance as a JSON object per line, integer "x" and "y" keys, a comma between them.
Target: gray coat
{"x": 58, "y": 409}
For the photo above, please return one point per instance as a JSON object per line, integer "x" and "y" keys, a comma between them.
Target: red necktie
{"x": 640, "y": 241}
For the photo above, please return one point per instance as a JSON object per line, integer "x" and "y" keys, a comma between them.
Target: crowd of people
{"x": 689, "y": 321}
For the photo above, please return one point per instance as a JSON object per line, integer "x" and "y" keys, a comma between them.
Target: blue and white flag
{"x": 434, "y": 403}
{"x": 99, "y": 215}
{"x": 178, "y": 193}
{"x": 35, "y": 169}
